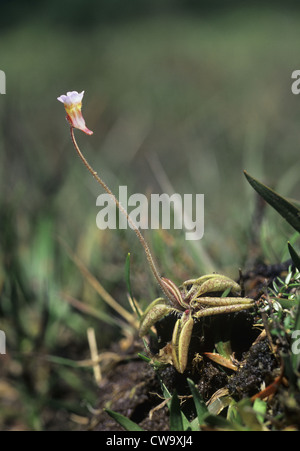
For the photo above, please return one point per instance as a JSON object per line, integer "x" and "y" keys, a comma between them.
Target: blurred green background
{"x": 181, "y": 96}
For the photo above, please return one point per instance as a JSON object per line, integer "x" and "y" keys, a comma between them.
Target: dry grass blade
{"x": 94, "y": 354}
{"x": 134, "y": 305}
{"x": 88, "y": 309}
{"x": 103, "y": 357}
{"x": 221, "y": 360}
{"x": 101, "y": 290}
{"x": 156, "y": 408}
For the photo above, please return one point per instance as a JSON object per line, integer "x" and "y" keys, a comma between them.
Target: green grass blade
{"x": 127, "y": 275}
{"x": 287, "y": 210}
{"x": 224, "y": 349}
{"x": 295, "y": 357}
{"x": 61, "y": 361}
{"x": 260, "y": 408}
{"x": 144, "y": 357}
{"x": 294, "y": 256}
{"x": 167, "y": 395}
{"x": 128, "y": 284}
{"x": 200, "y": 406}
{"x": 220, "y": 423}
{"x": 176, "y": 423}
{"x": 123, "y": 421}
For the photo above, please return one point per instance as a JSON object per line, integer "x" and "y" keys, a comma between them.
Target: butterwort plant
{"x": 208, "y": 295}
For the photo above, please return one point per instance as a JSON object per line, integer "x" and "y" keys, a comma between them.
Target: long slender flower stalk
{"x": 120, "y": 207}
{"x": 72, "y": 102}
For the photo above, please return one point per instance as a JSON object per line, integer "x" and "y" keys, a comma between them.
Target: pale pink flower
{"x": 73, "y": 102}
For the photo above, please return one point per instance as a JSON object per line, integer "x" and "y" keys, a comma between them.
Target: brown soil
{"x": 133, "y": 388}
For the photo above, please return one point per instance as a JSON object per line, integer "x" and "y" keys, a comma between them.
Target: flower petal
{"x": 72, "y": 103}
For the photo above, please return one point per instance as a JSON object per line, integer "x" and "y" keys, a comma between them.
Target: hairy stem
{"x": 124, "y": 212}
